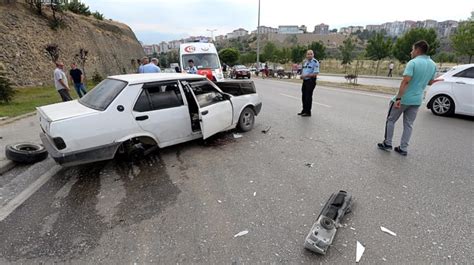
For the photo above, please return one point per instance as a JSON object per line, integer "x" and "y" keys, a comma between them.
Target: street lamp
{"x": 212, "y": 33}
{"x": 258, "y": 37}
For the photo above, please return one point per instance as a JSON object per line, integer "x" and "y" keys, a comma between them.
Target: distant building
{"x": 289, "y": 30}
{"x": 174, "y": 45}
{"x": 148, "y": 49}
{"x": 321, "y": 29}
{"x": 266, "y": 30}
{"x": 350, "y": 30}
{"x": 303, "y": 28}
{"x": 430, "y": 24}
{"x": 220, "y": 38}
{"x": 163, "y": 47}
{"x": 376, "y": 28}
{"x": 446, "y": 28}
{"x": 237, "y": 33}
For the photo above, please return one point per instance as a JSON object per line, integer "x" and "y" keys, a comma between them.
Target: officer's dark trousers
{"x": 307, "y": 92}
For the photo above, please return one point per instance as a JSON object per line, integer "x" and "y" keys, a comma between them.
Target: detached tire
{"x": 246, "y": 120}
{"x": 26, "y": 153}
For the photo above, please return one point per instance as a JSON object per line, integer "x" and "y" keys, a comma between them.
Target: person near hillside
{"x": 309, "y": 74}
{"x": 143, "y": 63}
{"x": 390, "y": 69}
{"x": 78, "y": 79}
{"x": 419, "y": 72}
{"x": 60, "y": 82}
{"x": 151, "y": 67}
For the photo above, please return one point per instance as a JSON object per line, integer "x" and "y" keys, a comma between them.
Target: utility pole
{"x": 212, "y": 33}
{"x": 258, "y": 38}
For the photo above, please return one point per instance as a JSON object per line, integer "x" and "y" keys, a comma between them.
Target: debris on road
{"x": 309, "y": 165}
{"x": 219, "y": 201}
{"x": 387, "y": 231}
{"x": 359, "y": 251}
{"x": 322, "y": 232}
{"x": 255, "y": 194}
{"x": 242, "y": 233}
{"x": 267, "y": 129}
{"x": 352, "y": 228}
{"x": 237, "y": 135}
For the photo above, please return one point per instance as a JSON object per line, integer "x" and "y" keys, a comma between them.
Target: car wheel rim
{"x": 247, "y": 119}
{"x": 441, "y": 105}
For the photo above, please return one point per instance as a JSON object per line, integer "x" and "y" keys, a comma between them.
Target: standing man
{"x": 390, "y": 69}
{"x": 78, "y": 80}
{"x": 151, "y": 67}
{"x": 191, "y": 67}
{"x": 309, "y": 74}
{"x": 60, "y": 82}
{"x": 143, "y": 63}
{"x": 419, "y": 72}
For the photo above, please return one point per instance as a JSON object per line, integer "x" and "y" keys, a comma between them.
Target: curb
{"x": 13, "y": 119}
{"x": 6, "y": 165}
{"x": 366, "y": 76}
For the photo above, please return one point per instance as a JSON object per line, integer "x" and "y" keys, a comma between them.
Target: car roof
{"x": 155, "y": 77}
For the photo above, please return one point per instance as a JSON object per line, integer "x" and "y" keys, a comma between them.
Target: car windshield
{"x": 240, "y": 67}
{"x": 100, "y": 97}
{"x": 202, "y": 60}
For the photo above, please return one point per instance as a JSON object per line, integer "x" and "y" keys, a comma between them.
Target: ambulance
{"x": 205, "y": 57}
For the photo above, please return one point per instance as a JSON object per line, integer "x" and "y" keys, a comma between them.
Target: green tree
{"x": 463, "y": 39}
{"x": 229, "y": 55}
{"x": 319, "y": 50}
{"x": 78, "y": 8}
{"x": 172, "y": 56}
{"x": 269, "y": 52}
{"x": 6, "y": 90}
{"x": 347, "y": 52}
{"x": 248, "y": 58}
{"x": 378, "y": 48}
{"x": 98, "y": 15}
{"x": 444, "y": 57}
{"x": 403, "y": 45}
{"x": 283, "y": 55}
{"x": 297, "y": 54}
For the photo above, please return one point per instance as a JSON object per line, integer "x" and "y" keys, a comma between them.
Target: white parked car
{"x": 453, "y": 92}
{"x": 131, "y": 114}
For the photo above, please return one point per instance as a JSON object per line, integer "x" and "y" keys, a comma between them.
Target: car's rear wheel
{"x": 246, "y": 120}
{"x": 26, "y": 153}
{"x": 442, "y": 105}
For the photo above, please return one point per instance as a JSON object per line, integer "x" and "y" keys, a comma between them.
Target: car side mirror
{"x": 226, "y": 96}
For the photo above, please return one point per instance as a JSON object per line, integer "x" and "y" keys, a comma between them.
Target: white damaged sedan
{"x": 131, "y": 114}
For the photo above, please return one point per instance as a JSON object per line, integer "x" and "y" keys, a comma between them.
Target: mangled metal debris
{"x": 324, "y": 229}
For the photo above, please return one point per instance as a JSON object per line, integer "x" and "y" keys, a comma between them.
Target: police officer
{"x": 309, "y": 73}
{"x": 191, "y": 68}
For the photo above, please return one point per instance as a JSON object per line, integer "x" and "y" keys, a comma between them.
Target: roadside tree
{"x": 402, "y": 48}
{"x": 378, "y": 48}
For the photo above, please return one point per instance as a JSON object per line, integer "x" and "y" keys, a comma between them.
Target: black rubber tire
{"x": 26, "y": 153}
{"x": 443, "y": 100}
{"x": 246, "y": 120}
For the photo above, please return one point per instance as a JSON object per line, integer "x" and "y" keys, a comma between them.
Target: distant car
{"x": 132, "y": 114}
{"x": 252, "y": 69}
{"x": 168, "y": 70}
{"x": 452, "y": 92}
{"x": 240, "y": 71}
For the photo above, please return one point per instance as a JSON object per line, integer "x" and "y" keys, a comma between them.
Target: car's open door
{"x": 215, "y": 110}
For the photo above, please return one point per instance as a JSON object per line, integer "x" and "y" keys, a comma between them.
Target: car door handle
{"x": 205, "y": 112}
{"x": 141, "y": 118}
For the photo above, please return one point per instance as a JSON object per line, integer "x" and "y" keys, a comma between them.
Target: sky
{"x": 154, "y": 21}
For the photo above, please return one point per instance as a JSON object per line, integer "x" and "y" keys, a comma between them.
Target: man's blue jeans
{"x": 80, "y": 90}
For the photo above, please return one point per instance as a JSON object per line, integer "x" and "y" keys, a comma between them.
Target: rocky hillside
{"x": 24, "y": 36}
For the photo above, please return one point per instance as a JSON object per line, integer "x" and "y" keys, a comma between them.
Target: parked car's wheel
{"x": 246, "y": 120}
{"x": 442, "y": 105}
{"x": 26, "y": 153}
{"x": 248, "y": 76}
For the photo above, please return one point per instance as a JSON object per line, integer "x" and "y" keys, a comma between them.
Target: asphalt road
{"x": 185, "y": 204}
{"x": 386, "y": 82}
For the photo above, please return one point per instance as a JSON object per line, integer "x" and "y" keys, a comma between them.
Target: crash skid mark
{"x": 66, "y": 219}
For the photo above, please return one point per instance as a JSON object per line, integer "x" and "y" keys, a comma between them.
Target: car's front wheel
{"x": 442, "y": 105}
{"x": 246, "y": 120}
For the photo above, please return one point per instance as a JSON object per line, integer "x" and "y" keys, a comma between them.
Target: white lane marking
{"x": 340, "y": 90}
{"x": 321, "y": 104}
{"x": 6, "y": 210}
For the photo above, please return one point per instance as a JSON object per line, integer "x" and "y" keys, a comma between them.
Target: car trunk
{"x": 237, "y": 87}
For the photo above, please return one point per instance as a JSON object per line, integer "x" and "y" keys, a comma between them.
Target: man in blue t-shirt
{"x": 151, "y": 67}
{"x": 309, "y": 74}
{"x": 191, "y": 68}
{"x": 419, "y": 72}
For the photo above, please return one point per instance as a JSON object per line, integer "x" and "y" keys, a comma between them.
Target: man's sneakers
{"x": 400, "y": 151}
{"x": 300, "y": 113}
{"x": 304, "y": 114}
{"x": 383, "y": 146}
